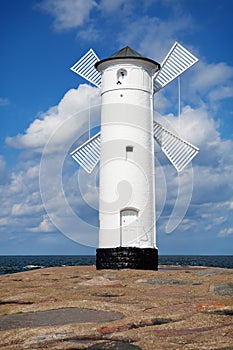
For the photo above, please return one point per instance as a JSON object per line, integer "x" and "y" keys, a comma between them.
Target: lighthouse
{"x": 125, "y": 149}
{"x": 127, "y": 236}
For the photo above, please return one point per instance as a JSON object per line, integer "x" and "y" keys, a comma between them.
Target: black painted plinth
{"x": 127, "y": 258}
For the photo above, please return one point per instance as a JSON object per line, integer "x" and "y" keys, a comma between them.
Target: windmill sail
{"x": 88, "y": 154}
{"x": 85, "y": 67}
{"x": 178, "y": 151}
{"x": 177, "y": 61}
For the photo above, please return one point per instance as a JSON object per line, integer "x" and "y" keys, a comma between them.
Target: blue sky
{"x": 39, "y": 41}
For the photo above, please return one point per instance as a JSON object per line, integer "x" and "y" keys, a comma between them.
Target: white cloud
{"x": 24, "y": 209}
{"x": 221, "y": 93}
{"x": 226, "y": 232}
{"x": 40, "y": 130}
{"x": 209, "y": 76}
{"x": 213, "y": 185}
{"x": 196, "y": 125}
{"x": 144, "y": 31}
{"x": 204, "y": 85}
{"x": 132, "y": 22}
{"x": 21, "y": 204}
{"x": 44, "y": 226}
{"x": 213, "y": 172}
{"x": 211, "y": 83}
{"x": 68, "y": 14}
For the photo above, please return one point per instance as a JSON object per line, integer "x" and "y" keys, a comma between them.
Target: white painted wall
{"x": 127, "y": 178}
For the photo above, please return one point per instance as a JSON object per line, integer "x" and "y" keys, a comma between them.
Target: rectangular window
{"x": 129, "y": 148}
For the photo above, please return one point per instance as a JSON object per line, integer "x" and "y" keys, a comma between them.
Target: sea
{"x": 13, "y": 264}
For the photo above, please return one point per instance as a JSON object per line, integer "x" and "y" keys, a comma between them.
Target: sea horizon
{"x": 231, "y": 255}
{"x": 19, "y": 263}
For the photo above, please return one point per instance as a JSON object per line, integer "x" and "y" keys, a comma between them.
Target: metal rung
{"x": 178, "y": 151}
{"x": 85, "y": 67}
{"x": 88, "y": 154}
{"x": 177, "y": 61}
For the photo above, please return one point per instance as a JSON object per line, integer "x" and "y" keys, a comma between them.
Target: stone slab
{"x": 57, "y": 317}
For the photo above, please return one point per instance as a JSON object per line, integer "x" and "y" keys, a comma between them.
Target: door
{"x": 129, "y": 227}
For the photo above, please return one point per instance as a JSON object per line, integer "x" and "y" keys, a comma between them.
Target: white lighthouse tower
{"x": 125, "y": 148}
{"x": 126, "y": 188}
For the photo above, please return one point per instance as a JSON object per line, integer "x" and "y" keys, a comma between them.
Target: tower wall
{"x": 126, "y": 191}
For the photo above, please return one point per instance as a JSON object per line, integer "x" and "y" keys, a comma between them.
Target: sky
{"x": 48, "y": 205}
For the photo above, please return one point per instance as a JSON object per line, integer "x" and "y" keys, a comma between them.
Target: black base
{"x": 127, "y": 258}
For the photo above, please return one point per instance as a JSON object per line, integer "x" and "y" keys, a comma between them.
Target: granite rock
{"x": 223, "y": 289}
{"x": 115, "y": 345}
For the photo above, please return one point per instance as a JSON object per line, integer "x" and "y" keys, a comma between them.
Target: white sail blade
{"x": 88, "y": 154}
{"x": 85, "y": 67}
{"x": 178, "y": 151}
{"x": 177, "y": 61}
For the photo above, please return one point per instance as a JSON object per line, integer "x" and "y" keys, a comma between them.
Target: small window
{"x": 129, "y": 148}
{"x": 121, "y": 74}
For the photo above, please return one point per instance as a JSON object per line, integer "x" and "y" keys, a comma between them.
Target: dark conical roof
{"x": 126, "y": 52}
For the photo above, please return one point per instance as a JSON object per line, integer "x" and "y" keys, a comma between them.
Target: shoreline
{"x": 14, "y": 264}
{"x": 166, "y": 308}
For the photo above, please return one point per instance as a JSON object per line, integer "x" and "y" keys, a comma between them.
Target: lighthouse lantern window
{"x": 121, "y": 74}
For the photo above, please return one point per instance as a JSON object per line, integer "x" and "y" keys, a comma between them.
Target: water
{"x": 12, "y": 264}
{"x": 224, "y": 261}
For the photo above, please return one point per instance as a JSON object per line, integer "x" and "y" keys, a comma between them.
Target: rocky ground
{"x": 81, "y": 308}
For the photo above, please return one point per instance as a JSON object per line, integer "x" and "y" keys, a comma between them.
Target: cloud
{"x": 68, "y": 14}
{"x": 143, "y": 32}
{"x": 22, "y": 208}
{"x": 220, "y": 93}
{"x": 213, "y": 172}
{"x": 211, "y": 75}
{"x": 44, "y": 226}
{"x": 21, "y": 204}
{"x": 131, "y": 22}
{"x": 213, "y": 184}
{"x": 40, "y": 130}
{"x": 198, "y": 126}
{"x": 211, "y": 83}
{"x": 226, "y": 232}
